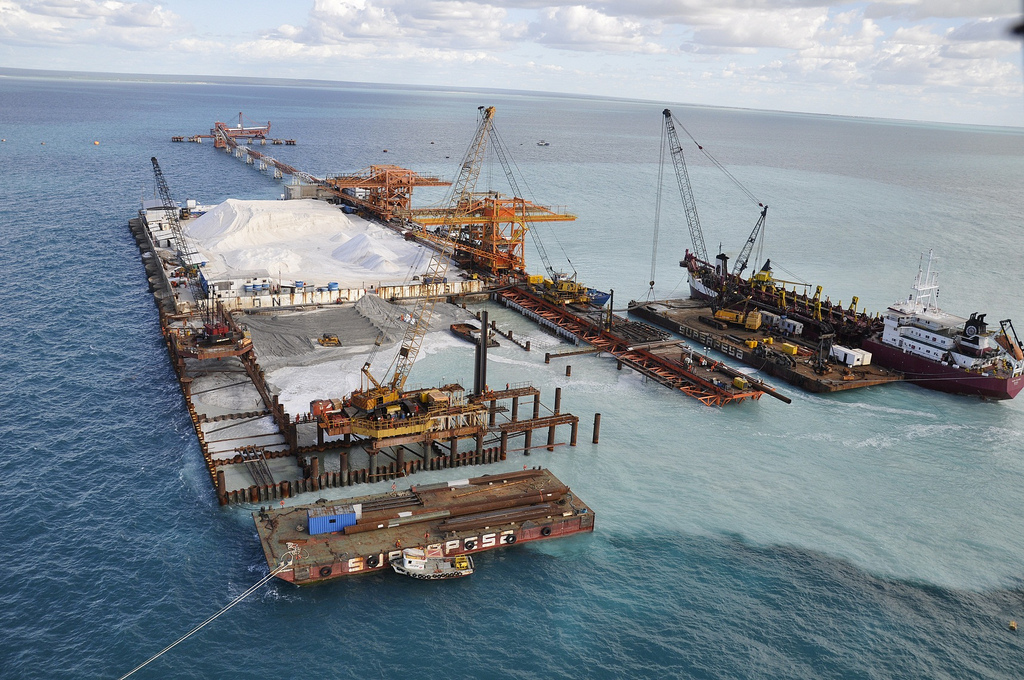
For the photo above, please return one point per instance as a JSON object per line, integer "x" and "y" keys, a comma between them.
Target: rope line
{"x": 657, "y": 211}
{"x": 202, "y": 625}
{"x": 718, "y": 165}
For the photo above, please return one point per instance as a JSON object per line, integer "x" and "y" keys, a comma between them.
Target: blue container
{"x": 264, "y": 286}
{"x": 328, "y": 518}
{"x": 333, "y": 285}
{"x": 300, "y": 284}
{"x": 248, "y": 288}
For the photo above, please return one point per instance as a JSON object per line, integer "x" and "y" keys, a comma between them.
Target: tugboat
{"x": 945, "y": 352}
{"x": 472, "y": 333}
{"x": 431, "y": 565}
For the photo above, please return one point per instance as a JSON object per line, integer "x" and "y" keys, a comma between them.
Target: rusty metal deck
{"x": 458, "y": 517}
{"x": 705, "y": 385}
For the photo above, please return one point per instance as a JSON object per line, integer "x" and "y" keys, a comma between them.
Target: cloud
{"x": 439, "y": 23}
{"x": 787, "y": 28}
{"x": 986, "y": 29}
{"x": 130, "y": 25}
{"x": 920, "y": 10}
{"x": 581, "y": 28}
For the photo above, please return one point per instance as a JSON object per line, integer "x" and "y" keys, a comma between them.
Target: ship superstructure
{"x": 944, "y": 351}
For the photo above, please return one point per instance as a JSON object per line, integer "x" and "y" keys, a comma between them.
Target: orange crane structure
{"x": 489, "y": 228}
{"x": 387, "y": 189}
{"x": 492, "y": 232}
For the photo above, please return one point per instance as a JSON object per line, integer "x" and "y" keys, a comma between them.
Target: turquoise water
{"x": 876, "y": 533}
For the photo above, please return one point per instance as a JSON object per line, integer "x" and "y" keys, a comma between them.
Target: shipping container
{"x": 850, "y": 357}
{"x": 788, "y": 348}
{"x": 790, "y": 326}
{"x": 327, "y": 518}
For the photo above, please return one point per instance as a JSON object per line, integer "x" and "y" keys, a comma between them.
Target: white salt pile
{"x": 303, "y": 240}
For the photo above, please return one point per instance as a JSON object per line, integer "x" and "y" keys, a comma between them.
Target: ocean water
{"x": 871, "y": 534}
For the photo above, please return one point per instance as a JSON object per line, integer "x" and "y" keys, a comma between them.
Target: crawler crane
{"x": 382, "y": 408}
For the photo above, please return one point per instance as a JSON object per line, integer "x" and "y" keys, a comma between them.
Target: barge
{"x": 783, "y": 355}
{"x": 471, "y": 333}
{"x": 464, "y": 517}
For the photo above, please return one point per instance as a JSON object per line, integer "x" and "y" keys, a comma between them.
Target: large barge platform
{"x": 696, "y": 375}
{"x": 694, "y": 319}
{"x": 460, "y": 517}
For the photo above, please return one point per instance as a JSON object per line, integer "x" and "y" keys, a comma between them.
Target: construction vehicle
{"x": 382, "y": 408}
{"x": 329, "y": 340}
{"x": 749, "y": 320}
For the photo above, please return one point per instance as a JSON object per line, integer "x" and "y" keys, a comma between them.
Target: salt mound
{"x": 295, "y": 240}
{"x": 386, "y": 316}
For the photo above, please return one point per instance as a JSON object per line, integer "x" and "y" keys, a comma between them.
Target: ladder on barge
{"x": 655, "y": 367}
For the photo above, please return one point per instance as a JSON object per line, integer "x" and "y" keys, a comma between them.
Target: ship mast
{"x": 924, "y": 285}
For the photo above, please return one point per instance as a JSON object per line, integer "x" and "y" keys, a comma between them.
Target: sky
{"x": 935, "y": 60}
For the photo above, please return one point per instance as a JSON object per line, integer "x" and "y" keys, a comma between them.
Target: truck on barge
{"x": 462, "y": 517}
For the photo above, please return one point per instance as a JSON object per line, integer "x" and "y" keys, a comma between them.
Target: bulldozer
{"x": 329, "y": 340}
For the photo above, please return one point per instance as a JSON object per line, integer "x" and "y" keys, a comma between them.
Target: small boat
{"x": 598, "y": 298}
{"x": 472, "y": 333}
{"x": 543, "y": 143}
{"x": 432, "y": 565}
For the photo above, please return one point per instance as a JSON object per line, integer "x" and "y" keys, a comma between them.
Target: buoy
{"x": 1013, "y": 625}
{"x": 43, "y": 143}
{"x": 96, "y": 143}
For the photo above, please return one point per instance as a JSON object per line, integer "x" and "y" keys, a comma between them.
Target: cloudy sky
{"x": 944, "y": 60}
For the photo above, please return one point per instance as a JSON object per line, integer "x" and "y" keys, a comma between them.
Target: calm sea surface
{"x": 870, "y": 534}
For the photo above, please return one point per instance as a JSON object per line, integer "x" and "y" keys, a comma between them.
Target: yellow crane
{"x": 374, "y": 393}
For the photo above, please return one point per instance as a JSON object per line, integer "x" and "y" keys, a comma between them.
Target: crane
{"x": 377, "y": 392}
{"x": 690, "y": 206}
{"x": 213, "y": 330}
{"x": 685, "y": 190}
{"x": 744, "y": 256}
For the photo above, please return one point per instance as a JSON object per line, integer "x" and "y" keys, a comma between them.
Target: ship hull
{"x": 936, "y": 376}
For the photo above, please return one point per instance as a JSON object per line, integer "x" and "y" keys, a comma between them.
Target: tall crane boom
{"x": 181, "y": 243}
{"x": 748, "y": 247}
{"x": 683, "y": 179}
{"x": 459, "y": 203}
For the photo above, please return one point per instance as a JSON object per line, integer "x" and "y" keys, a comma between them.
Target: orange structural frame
{"x": 385, "y": 190}
{"x": 491, "y": 230}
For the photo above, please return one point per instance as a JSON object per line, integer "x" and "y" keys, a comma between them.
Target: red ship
{"x": 941, "y": 351}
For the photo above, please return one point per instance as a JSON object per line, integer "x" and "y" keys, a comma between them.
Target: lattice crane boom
{"x": 685, "y": 190}
{"x": 182, "y": 245}
{"x": 748, "y": 247}
{"x": 459, "y": 203}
